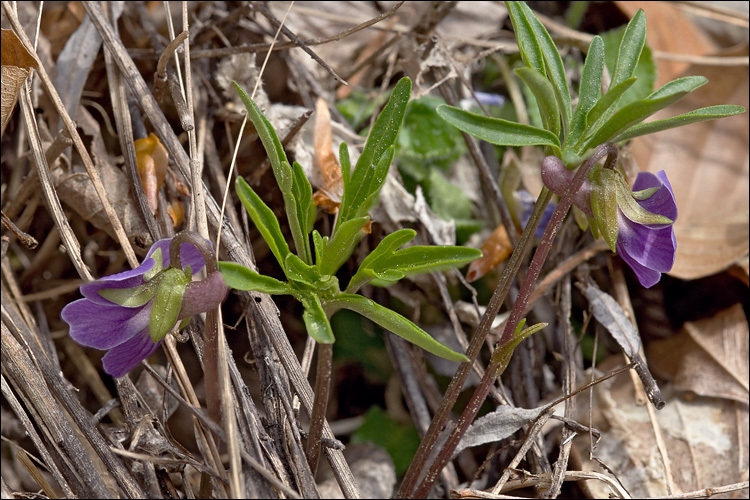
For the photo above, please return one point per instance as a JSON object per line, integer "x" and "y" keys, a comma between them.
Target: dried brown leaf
{"x": 329, "y": 195}
{"x": 16, "y": 66}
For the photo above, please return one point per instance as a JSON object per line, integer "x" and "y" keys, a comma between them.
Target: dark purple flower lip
{"x": 123, "y": 330}
{"x": 639, "y": 225}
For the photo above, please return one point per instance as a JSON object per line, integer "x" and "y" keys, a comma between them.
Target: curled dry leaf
{"x": 496, "y": 249}
{"x": 152, "y": 159}
{"x": 16, "y": 66}
{"x": 329, "y": 195}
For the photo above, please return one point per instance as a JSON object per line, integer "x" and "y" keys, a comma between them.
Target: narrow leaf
{"x": 631, "y": 47}
{"x": 298, "y": 270}
{"x": 264, "y": 219}
{"x": 424, "y": 259}
{"x": 608, "y": 101}
{"x": 545, "y": 98}
{"x": 497, "y": 131}
{"x": 395, "y": 323}
{"x": 316, "y": 321}
{"x": 590, "y": 89}
{"x": 240, "y": 277}
{"x": 638, "y": 111}
{"x": 364, "y": 184}
{"x": 386, "y": 247}
{"x": 341, "y": 245}
{"x": 699, "y": 115}
{"x": 553, "y": 66}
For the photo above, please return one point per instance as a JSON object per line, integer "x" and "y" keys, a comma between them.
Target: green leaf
{"x": 241, "y": 278}
{"x": 589, "y": 91}
{"x": 302, "y": 195}
{"x": 372, "y": 167}
{"x": 165, "y": 310}
{"x": 631, "y": 47}
{"x": 298, "y": 270}
{"x": 270, "y": 140}
{"x": 426, "y": 141}
{"x": 295, "y": 188}
{"x": 395, "y": 323}
{"x": 503, "y": 353}
{"x": 607, "y": 102}
{"x": 497, "y": 131}
{"x": 604, "y": 183}
{"x": 316, "y": 321}
{"x": 545, "y": 97}
{"x": 425, "y": 259}
{"x": 341, "y": 245}
{"x": 699, "y": 115}
{"x": 532, "y": 33}
{"x": 644, "y": 72}
{"x": 264, "y": 219}
{"x": 131, "y": 297}
{"x": 639, "y": 110}
{"x": 399, "y": 439}
{"x": 386, "y": 247}
{"x": 346, "y": 165}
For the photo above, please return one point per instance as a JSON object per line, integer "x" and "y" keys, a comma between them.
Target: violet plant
{"x": 636, "y": 224}
{"x": 130, "y": 313}
{"x": 311, "y": 270}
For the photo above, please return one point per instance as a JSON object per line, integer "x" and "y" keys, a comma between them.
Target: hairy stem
{"x": 317, "y": 419}
{"x": 519, "y": 306}
{"x": 211, "y": 331}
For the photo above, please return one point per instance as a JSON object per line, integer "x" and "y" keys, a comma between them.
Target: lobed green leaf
{"x": 341, "y": 245}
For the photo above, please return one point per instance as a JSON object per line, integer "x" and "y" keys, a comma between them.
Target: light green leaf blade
{"x": 696, "y": 116}
{"x": 386, "y": 247}
{"x": 631, "y": 47}
{"x": 425, "y": 259}
{"x": 341, "y": 245}
{"x": 165, "y": 309}
{"x": 317, "y": 323}
{"x": 395, "y": 323}
{"x": 240, "y": 277}
{"x": 264, "y": 219}
{"x": 497, "y": 131}
{"x": 639, "y": 110}
{"x": 590, "y": 89}
{"x": 545, "y": 98}
{"x": 369, "y": 173}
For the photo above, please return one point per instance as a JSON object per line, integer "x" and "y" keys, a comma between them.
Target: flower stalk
{"x": 499, "y": 363}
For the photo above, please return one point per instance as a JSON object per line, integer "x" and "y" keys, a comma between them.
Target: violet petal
{"x": 121, "y": 359}
{"x": 104, "y": 326}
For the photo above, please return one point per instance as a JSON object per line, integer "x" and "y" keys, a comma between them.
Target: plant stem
{"x": 457, "y": 382}
{"x": 495, "y": 369}
{"x": 211, "y": 331}
{"x": 317, "y": 419}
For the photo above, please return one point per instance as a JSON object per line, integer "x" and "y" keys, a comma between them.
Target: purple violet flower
{"x": 121, "y": 323}
{"x": 643, "y": 234}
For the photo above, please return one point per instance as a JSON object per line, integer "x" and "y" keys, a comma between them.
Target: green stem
{"x": 495, "y": 369}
